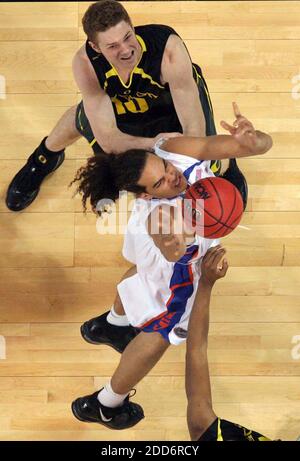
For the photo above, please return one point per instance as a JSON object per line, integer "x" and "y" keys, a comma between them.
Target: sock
{"x": 109, "y": 398}
{"x": 115, "y": 319}
{"x": 45, "y": 157}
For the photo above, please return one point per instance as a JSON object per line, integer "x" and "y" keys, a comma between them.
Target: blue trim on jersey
{"x": 189, "y": 170}
{"x": 182, "y": 288}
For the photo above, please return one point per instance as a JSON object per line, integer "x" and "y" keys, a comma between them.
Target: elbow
{"x": 199, "y": 416}
{"x": 270, "y": 143}
{"x": 107, "y": 148}
{"x": 111, "y": 146}
{"x": 196, "y": 429}
{"x": 266, "y": 144}
{"x": 104, "y": 142}
{"x": 106, "y": 139}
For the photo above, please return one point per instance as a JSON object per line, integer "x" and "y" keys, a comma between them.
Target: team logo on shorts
{"x": 180, "y": 332}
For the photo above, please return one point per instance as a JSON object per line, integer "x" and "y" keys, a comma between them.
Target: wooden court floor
{"x": 56, "y": 271}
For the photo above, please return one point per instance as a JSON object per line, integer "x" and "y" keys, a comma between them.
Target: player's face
{"x": 119, "y": 45}
{"x": 161, "y": 179}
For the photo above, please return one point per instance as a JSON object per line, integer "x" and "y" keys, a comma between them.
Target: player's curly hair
{"x": 105, "y": 175}
{"x": 103, "y": 15}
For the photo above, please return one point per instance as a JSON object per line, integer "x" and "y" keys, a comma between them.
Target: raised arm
{"x": 100, "y": 113}
{"x": 243, "y": 141}
{"x": 200, "y": 414}
{"x": 177, "y": 71}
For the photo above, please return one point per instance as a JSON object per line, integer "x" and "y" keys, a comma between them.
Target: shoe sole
{"x": 90, "y": 341}
{"x": 38, "y": 190}
{"x": 27, "y": 204}
{"x": 75, "y": 413}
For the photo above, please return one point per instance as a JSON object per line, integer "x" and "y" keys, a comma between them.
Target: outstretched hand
{"x": 213, "y": 265}
{"x": 241, "y": 129}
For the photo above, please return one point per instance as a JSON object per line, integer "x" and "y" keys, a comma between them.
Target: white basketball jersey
{"x": 147, "y": 294}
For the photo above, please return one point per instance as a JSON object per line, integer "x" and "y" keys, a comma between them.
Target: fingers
{"x": 212, "y": 254}
{"x": 217, "y": 256}
{"x": 240, "y": 120}
{"x": 236, "y": 110}
{"x": 225, "y": 266}
{"x": 243, "y": 122}
{"x": 213, "y": 257}
{"x": 213, "y": 265}
{"x": 227, "y": 127}
{"x": 241, "y": 131}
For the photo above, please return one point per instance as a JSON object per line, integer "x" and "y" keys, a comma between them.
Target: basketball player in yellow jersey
{"x": 203, "y": 423}
{"x": 137, "y": 84}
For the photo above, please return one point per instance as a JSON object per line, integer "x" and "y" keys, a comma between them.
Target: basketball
{"x": 214, "y": 207}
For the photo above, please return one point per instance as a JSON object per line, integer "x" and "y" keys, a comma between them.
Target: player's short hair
{"x": 103, "y": 15}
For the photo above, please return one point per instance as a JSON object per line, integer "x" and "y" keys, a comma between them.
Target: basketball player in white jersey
{"x": 159, "y": 291}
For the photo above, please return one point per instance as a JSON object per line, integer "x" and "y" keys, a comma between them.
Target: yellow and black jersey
{"x": 143, "y": 100}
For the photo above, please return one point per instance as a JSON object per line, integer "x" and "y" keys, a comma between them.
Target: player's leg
{"x": 111, "y": 406}
{"x": 46, "y": 158}
{"x": 208, "y": 112}
{"x": 111, "y": 328}
{"x": 83, "y": 126}
{"x": 139, "y": 357}
{"x": 236, "y": 177}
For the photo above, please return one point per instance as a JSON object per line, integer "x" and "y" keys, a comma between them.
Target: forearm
{"x": 217, "y": 147}
{"x": 194, "y": 125}
{"x": 200, "y": 414}
{"x": 189, "y": 111}
{"x": 196, "y": 349}
{"x": 197, "y": 375}
{"x": 199, "y": 318}
{"x": 117, "y": 142}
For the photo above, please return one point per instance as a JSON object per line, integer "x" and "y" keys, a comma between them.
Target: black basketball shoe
{"x": 234, "y": 175}
{"x": 25, "y": 186}
{"x": 89, "y": 409}
{"x": 99, "y": 331}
